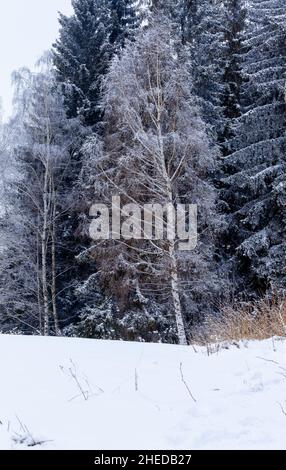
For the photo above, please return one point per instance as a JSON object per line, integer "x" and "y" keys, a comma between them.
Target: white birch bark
{"x": 44, "y": 256}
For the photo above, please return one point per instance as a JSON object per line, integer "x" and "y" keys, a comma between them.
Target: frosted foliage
{"x": 255, "y": 188}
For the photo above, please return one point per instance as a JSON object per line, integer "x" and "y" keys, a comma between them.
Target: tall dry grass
{"x": 248, "y": 321}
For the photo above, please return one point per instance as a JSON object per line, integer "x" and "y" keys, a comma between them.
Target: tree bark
{"x": 175, "y": 291}
{"x": 40, "y": 310}
{"x": 176, "y": 296}
{"x": 44, "y": 255}
{"x": 54, "y": 264}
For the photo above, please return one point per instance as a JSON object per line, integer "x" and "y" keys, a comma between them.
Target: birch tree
{"x": 31, "y": 262}
{"x": 155, "y": 151}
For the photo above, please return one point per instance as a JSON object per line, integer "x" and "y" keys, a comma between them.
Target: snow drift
{"x": 98, "y": 395}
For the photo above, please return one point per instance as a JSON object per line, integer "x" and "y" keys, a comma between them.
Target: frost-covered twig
{"x": 73, "y": 373}
{"x": 185, "y": 383}
{"x": 25, "y": 437}
{"x": 282, "y": 409}
{"x": 80, "y": 381}
{"x": 136, "y": 381}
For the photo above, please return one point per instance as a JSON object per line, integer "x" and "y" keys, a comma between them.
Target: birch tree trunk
{"x": 44, "y": 254}
{"x": 176, "y": 296}
{"x": 46, "y": 218}
{"x": 40, "y": 311}
{"x": 54, "y": 263}
{"x": 174, "y": 277}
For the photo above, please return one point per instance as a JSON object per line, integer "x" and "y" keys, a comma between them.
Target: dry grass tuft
{"x": 248, "y": 321}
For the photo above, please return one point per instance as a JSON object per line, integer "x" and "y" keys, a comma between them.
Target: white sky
{"x": 27, "y": 29}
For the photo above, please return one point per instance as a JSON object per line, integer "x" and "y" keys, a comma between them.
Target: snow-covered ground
{"x": 97, "y": 395}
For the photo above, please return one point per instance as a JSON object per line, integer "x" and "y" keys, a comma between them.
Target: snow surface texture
{"x": 87, "y": 394}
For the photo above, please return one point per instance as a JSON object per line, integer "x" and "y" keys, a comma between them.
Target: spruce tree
{"x": 255, "y": 187}
{"x": 88, "y": 40}
{"x": 234, "y": 24}
{"x": 203, "y": 33}
{"x": 126, "y": 17}
{"x": 81, "y": 57}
